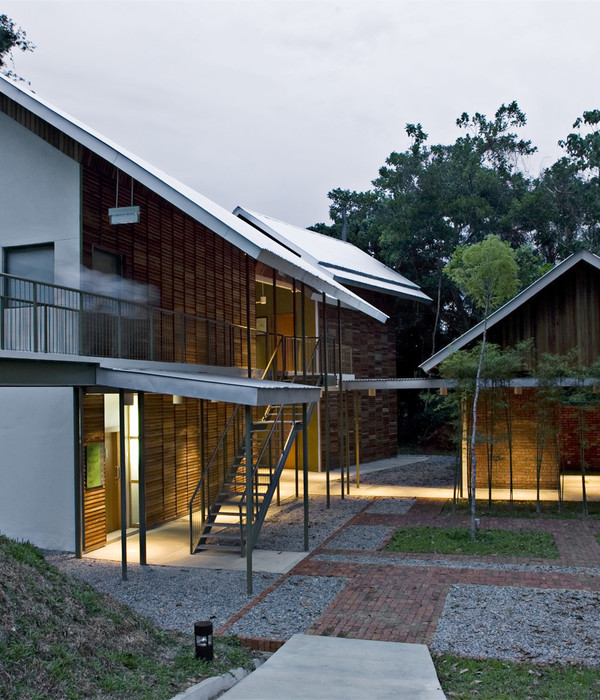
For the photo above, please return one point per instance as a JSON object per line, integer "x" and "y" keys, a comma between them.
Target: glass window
{"x": 33, "y": 262}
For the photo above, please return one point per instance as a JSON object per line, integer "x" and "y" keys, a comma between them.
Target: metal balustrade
{"x": 49, "y": 318}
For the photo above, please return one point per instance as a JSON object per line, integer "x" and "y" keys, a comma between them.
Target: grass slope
{"x": 59, "y": 638}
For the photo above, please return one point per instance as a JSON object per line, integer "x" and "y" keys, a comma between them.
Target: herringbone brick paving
{"x": 402, "y": 602}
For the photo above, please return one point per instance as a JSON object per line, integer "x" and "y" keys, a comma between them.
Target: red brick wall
{"x": 524, "y": 446}
{"x": 373, "y": 355}
{"x": 565, "y": 429}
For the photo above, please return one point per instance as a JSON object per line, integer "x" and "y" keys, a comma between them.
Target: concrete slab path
{"x": 315, "y": 667}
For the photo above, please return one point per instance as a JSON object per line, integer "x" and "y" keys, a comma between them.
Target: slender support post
{"x": 248, "y": 319}
{"x": 80, "y": 349}
{"x": 304, "y": 421}
{"x": 326, "y": 375}
{"x": 123, "y": 482}
{"x": 35, "y": 319}
{"x": 142, "y": 476}
{"x": 249, "y": 500}
{"x": 341, "y": 398}
{"x": 347, "y": 427}
{"x": 151, "y": 338}
{"x": 119, "y": 330}
{"x": 78, "y": 445}
{"x": 276, "y": 365}
{"x": 295, "y": 353}
{"x": 357, "y": 438}
{"x": 4, "y": 292}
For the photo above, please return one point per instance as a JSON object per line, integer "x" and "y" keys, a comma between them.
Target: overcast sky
{"x": 272, "y": 103}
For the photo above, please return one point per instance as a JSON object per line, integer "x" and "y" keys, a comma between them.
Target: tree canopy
{"x": 431, "y": 198}
{"x": 11, "y": 37}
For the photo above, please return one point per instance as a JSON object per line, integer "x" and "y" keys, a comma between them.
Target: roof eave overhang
{"x": 321, "y": 284}
{"x": 159, "y": 185}
{"x": 511, "y": 306}
{"x": 399, "y": 292}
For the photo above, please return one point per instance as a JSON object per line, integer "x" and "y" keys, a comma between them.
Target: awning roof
{"x": 240, "y": 234}
{"x": 346, "y": 262}
{"x": 31, "y": 369}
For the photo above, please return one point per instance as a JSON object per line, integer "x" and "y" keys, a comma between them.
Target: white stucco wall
{"x": 40, "y": 198}
{"x": 37, "y": 466}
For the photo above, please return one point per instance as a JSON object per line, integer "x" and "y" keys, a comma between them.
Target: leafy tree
{"x": 11, "y": 37}
{"x": 486, "y": 272}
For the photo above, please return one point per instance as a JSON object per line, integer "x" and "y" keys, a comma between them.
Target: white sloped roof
{"x": 511, "y": 306}
{"x": 196, "y": 205}
{"x": 347, "y": 263}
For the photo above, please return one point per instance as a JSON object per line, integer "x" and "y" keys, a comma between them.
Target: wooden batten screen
{"x": 94, "y": 499}
{"x": 187, "y": 268}
{"x": 173, "y": 460}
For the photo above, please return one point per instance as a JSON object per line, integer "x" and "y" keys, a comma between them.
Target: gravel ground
{"x": 173, "y": 597}
{"x": 393, "y": 506}
{"x": 366, "y": 537}
{"x": 290, "y": 609}
{"x": 525, "y": 624}
{"x": 520, "y": 624}
{"x": 284, "y": 528}
{"x": 437, "y": 471}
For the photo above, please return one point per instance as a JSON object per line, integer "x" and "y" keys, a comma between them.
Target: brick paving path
{"x": 402, "y": 601}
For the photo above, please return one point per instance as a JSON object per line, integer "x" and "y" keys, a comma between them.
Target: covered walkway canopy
{"x": 32, "y": 369}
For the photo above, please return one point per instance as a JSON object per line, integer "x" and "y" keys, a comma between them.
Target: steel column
{"x": 78, "y": 460}
{"x": 248, "y": 318}
{"x": 326, "y": 375}
{"x": 123, "y": 483}
{"x": 249, "y": 499}
{"x": 341, "y": 398}
{"x": 142, "y": 476}
{"x": 295, "y": 354}
{"x": 356, "y": 437}
{"x": 304, "y": 421}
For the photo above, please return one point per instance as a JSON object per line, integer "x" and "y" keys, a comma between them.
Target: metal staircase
{"x": 218, "y": 511}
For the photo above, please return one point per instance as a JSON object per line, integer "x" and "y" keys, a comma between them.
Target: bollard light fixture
{"x": 203, "y": 637}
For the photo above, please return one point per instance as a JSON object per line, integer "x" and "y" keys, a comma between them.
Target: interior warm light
{"x": 177, "y": 399}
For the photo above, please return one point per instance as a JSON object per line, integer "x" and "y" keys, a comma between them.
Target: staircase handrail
{"x": 213, "y": 457}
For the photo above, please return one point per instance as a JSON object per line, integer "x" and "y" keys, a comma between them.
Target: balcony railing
{"x": 49, "y": 318}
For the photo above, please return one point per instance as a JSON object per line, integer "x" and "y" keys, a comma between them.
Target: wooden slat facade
{"x": 94, "y": 518}
{"x": 563, "y": 316}
{"x": 173, "y": 452}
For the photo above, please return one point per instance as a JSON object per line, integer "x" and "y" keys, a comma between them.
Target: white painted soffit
{"x": 346, "y": 262}
{"x": 235, "y": 390}
{"x": 511, "y": 306}
{"x": 240, "y": 234}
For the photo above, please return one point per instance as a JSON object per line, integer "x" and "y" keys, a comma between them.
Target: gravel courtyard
{"x": 514, "y": 609}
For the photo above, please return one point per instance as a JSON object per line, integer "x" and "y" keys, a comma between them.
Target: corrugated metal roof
{"x": 199, "y": 207}
{"x": 345, "y": 261}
